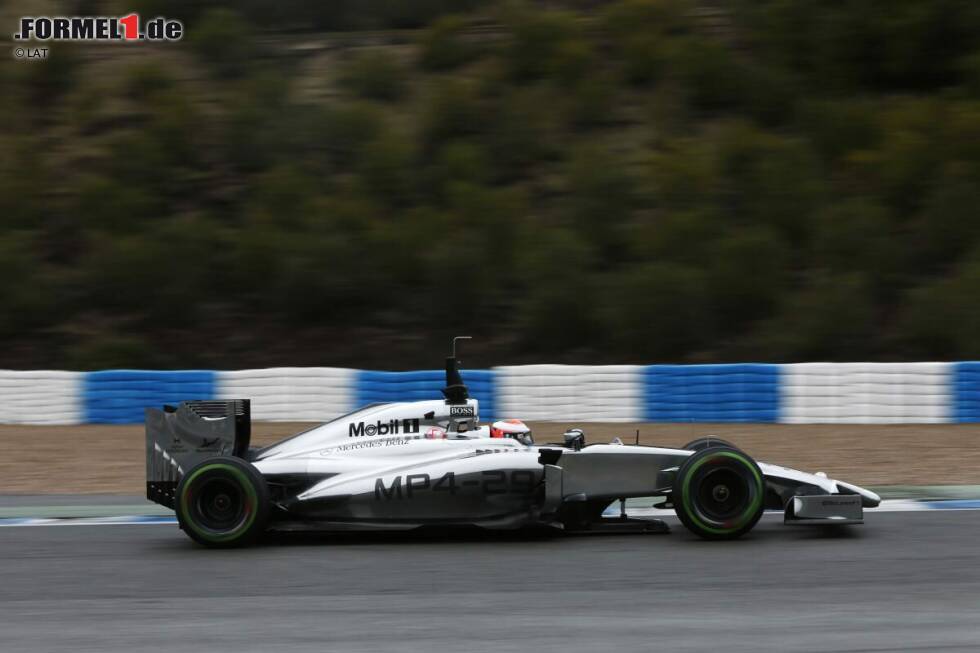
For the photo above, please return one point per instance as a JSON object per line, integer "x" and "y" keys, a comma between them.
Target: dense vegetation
{"x": 349, "y": 182}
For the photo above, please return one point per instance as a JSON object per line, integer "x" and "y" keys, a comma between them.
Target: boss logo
{"x": 391, "y": 427}
{"x": 462, "y": 411}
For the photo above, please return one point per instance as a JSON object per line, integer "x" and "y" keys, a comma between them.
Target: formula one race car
{"x": 429, "y": 463}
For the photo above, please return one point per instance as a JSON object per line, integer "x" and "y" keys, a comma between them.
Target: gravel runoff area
{"x": 109, "y": 458}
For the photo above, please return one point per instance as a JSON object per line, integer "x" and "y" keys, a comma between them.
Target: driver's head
{"x": 512, "y": 428}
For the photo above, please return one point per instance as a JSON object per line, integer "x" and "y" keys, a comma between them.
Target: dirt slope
{"x": 102, "y": 458}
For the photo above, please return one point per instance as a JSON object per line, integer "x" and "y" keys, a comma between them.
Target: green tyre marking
{"x": 689, "y": 508}
{"x": 252, "y": 497}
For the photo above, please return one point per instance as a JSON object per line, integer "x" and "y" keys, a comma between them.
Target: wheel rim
{"x": 722, "y": 493}
{"x": 219, "y": 503}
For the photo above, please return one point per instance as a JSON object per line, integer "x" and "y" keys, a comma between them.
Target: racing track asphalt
{"x": 902, "y": 582}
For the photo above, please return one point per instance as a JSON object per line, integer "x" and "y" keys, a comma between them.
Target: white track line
{"x": 126, "y": 520}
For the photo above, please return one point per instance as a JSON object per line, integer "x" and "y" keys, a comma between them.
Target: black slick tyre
{"x": 223, "y": 502}
{"x": 707, "y": 441}
{"x": 719, "y": 493}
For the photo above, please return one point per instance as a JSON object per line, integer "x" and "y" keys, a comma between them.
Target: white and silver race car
{"x": 407, "y": 465}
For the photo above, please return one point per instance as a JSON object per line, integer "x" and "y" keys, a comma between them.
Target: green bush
{"x": 176, "y": 126}
{"x": 853, "y": 235}
{"x": 639, "y": 31}
{"x": 767, "y": 94}
{"x": 521, "y": 131}
{"x": 709, "y": 71}
{"x": 25, "y": 290}
{"x": 49, "y": 80}
{"x": 494, "y": 216}
{"x": 415, "y": 14}
{"x": 836, "y": 127}
{"x": 111, "y": 350}
{"x": 948, "y": 225}
{"x": 224, "y": 42}
{"x": 342, "y": 131}
{"x": 25, "y": 184}
{"x": 601, "y": 197}
{"x": 251, "y": 133}
{"x": 387, "y": 168}
{"x": 444, "y": 46}
{"x": 659, "y": 312}
{"x": 104, "y": 204}
{"x": 969, "y": 73}
{"x": 747, "y": 273}
{"x": 458, "y": 161}
{"x": 145, "y": 80}
{"x": 769, "y": 180}
{"x": 678, "y": 236}
{"x": 310, "y": 278}
{"x": 960, "y": 132}
{"x": 643, "y": 182}
{"x": 375, "y": 76}
{"x": 684, "y": 174}
{"x": 171, "y": 260}
{"x": 830, "y": 318}
{"x": 139, "y": 161}
{"x": 556, "y": 308}
{"x": 940, "y": 318}
{"x": 454, "y": 110}
{"x": 283, "y": 196}
{"x": 539, "y": 42}
{"x": 592, "y": 101}
{"x": 644, "y": 58}
{"x": 626, "y": 17}
{"x": 910, "y": 156}
{"x": 573, "y": 62}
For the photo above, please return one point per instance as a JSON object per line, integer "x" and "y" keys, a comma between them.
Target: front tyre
{"x": 223, "y": 502}
{"x": 707, "y": 442}
{"x": 718, "y": 493}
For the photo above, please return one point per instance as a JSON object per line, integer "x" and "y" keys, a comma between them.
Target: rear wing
{"x": 455, "y": 390}
{"x": 179, "y": 438}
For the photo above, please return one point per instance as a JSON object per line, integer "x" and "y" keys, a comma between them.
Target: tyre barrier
{"x": 798, "y": 393}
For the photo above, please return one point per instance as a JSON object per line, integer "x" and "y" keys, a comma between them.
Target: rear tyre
{"x": 719, "y": 493}
{"x": 707, "y": 441}
{"x": 223, "y": 502}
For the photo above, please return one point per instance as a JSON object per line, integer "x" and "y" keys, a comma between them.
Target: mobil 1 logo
{"x": 389, "y": 427}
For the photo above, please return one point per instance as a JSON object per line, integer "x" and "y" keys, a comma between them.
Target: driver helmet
{"x": 512, "y": 428}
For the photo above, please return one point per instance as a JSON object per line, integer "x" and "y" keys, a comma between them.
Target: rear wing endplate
{"x": 179, "y": 438}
